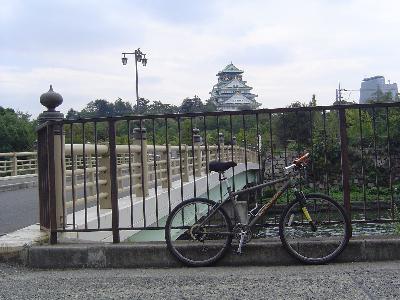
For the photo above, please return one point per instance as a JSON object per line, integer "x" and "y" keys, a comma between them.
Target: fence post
{"x": 344, "y": 160}
{"x": 141, "y": 168}
{"x": 185, "y": 164}
{"x": 197, "y": 149}
{"x": 221, "y": 146}
{"x": 104, "y": 161}
{"x": 233, "y": 158}
{"x": 166, "y": 157}
{"x": 55, "y": 162}
{"x": 112, "y": 150}
{"x": 14, "y": 164}
{"x": 92, "y": 176}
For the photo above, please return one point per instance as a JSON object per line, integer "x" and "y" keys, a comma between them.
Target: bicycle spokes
{"x": 314, "y": 230}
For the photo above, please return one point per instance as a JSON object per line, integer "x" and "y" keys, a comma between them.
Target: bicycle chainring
{"x": 239, "y": 228}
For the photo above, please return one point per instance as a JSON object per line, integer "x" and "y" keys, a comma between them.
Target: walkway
{"x": 18, "y": 209}
{"x": 336, "y": 281}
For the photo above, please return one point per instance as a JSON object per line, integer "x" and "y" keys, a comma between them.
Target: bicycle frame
{"x": 288, "y": 182}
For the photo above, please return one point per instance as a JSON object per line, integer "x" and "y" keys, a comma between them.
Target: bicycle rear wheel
{"x": 192, "y": 243}
{"x": 318, "y": 243}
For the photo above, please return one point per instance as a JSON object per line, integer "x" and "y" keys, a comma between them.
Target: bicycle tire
{"x": 327, "y": 241}
{"x": 193, "y": 246}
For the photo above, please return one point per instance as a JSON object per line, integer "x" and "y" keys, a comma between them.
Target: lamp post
{"x": 139, "y": 57}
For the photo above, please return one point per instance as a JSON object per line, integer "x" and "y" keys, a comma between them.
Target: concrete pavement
{"x": 377, "y": 280}
{"x": 18, "y": 209}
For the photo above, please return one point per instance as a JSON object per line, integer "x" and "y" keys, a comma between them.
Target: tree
{"x": 17, "y": 132}
{"x": 157, "y": 107}
{"x": 72, "y": 114}
{"x": 141, "y": 107}
{"x": 122, "y": 108}
{"x": 191, "y": 105}
{"x": 98, "y": 108}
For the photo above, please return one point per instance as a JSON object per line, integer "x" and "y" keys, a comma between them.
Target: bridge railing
{"x": 93, "y": 173}
{"x": 18, "y": 163}
{"x": 354, "y": 149}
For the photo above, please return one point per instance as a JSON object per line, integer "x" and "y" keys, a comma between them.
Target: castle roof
{"x": 230, "y": 69}
{"x": 238, "y": 99}
{"x": 235, "y": 83}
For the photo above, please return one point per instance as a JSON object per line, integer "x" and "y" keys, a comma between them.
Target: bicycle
{"x": 304, "y": 223}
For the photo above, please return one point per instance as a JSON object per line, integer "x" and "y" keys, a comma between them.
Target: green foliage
{"x": 397, "y": 216}
{"x": 17, "y": 132}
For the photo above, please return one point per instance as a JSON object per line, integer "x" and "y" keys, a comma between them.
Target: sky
{"x": 289, "y": 50}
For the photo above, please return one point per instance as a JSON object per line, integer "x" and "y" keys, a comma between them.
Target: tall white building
{"x": 374, "y": 87}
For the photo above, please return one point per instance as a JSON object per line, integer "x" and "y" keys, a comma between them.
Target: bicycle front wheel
{"x": 196, "y": 233}
{"x": 316, "y": 231}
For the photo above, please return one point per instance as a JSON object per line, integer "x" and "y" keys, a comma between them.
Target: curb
{"x": 14, "y": 183}
{"x": 156, "y": 255}
{"x": 18, "y": 186}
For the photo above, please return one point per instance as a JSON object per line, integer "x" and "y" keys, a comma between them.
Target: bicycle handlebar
{"x": 301, "y": 159}
{"x": 297, "y": 162}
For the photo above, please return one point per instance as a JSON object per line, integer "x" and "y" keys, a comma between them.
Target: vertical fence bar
{"x": 245, "y": 147}
{"x": 84, "y": 172}
{"x": 180, "y": 155}
{"x": 376, "y": 160}
{"x": 62, "y": 164}
{"x": 272, "y": 146}
{"x": 233, "y": 144}
{"x": 113, "y": 179}
{"x": 344, "y": 161}
{"x": 218, "y": 141}
{"x": 143, "y": 165}
{"x": 362, "y": 164}
{"x": 312, "y": 149}
{"x": 193, "y": 159}
{"x": 389, "y": 164}
{"x": 285, "y": 141}
{"x": 155, "y": 168}
{"x": 73, "y": 176}
{"x": 260, "y": 177}
{"x": 96, "y": 154}
{"x": 326, "y": 183}
{"x": 207, "y": 155}
{"x": 297, "y": 134}
{"x": 130, "y": 171}
{"x": 168, "y": 164}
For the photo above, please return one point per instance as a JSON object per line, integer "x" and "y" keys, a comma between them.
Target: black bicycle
{"x": 313, "y": 228}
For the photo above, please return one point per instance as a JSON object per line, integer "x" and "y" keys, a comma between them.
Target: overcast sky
{"x": 288, "y": 50}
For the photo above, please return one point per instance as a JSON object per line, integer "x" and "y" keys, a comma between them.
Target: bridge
{"x": 111, "y": 179}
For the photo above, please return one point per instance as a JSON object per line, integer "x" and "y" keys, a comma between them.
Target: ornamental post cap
{"x": 51, "y": 99}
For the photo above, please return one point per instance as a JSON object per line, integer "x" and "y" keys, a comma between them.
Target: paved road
{"x": 18, "y": 209}
{"x": 337, "y": 281}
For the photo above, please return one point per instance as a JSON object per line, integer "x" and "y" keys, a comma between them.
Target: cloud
{"x": 288, "y": 49}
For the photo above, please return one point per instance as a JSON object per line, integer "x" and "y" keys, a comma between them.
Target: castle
{"x": 231, "y": 93}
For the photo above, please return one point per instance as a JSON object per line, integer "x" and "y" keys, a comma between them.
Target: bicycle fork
{"x": 302, "y": 200}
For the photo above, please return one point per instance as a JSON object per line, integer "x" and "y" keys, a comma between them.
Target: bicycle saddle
{"x": 221, "y": 166}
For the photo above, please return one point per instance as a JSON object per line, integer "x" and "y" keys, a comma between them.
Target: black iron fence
{"x": 127, "y": 173}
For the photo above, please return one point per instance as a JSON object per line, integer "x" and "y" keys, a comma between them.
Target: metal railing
{"x": 90, "y": 176}
{"x": 354, "y": 158}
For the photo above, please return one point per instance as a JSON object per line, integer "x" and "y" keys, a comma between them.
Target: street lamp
{"x": 139, "y": 57}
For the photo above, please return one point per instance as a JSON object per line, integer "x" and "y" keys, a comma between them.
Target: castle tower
{"x": 231, "y": 92}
